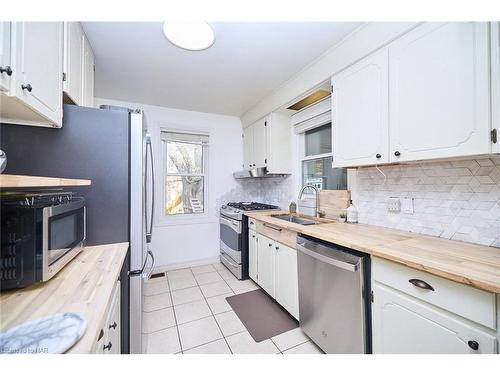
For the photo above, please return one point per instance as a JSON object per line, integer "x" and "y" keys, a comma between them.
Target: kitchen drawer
{"x": 285, "y": 236}
{"x": 252, "y": 223}
{"x": 474, "y": 304}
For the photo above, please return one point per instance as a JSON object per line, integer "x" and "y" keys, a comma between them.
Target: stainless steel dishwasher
{"x": 334, "y": 289}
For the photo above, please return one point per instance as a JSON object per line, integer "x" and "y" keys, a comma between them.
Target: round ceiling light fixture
{"x": 190, "y": 35}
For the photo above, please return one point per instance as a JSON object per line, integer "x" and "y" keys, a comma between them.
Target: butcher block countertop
{"x": 467, "y": 263}
{"x": 84, "y": 286}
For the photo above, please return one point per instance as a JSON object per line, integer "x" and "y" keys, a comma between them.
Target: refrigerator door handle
{"x": 149, "y": 227}
{"x": 150, "y": 272}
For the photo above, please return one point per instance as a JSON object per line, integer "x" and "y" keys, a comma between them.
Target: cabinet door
{"x": 266, "y": 262}
{"x": 402, "y": 324}
{"x": 260, "y": 143}
{"x": 73, "y": 62}
{"x": 248, "y": 158}
{"x": 112, "y": 343}
{"x": 39, "y": 67}
{"x": 88, "y": 74}
{"x": 5, "y": 61}
{"x": 360, "y": 127}
{"x": 495, "y": 82}
{"x": 287, "y": 282}
{"x": 253, "y": 255}
{"x": 439, "y": 92}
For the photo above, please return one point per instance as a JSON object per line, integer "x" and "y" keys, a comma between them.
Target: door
{"x": 287, "y": 282}
{"x": 39, "y": 67}
{"x": 495, "y": 83}
{"x": 360, "y": 127}
{"x": 260, "y": 143}
{"x": 253, "y": 255}
{"x": 266, "y": 262}
{"x": 248, "y": 156}
{"x": 5, "y": 61}
{"x": 231, "y": 238}
{"x": 402, "y": 324}
{"x": 113, "y": 325}
{"x": 88, "y": 74}
{"x": 439, "y": 92}
{"x": 73, "y": 62}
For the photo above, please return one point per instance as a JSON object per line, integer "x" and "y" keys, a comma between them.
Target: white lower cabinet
{"x": 403, "y": 324}
{"x": 277, "y": 273}
{"x": 252, "y": 255}
{"x": 110, "y": 336}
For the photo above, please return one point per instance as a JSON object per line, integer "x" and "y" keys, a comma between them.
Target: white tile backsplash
{"x": 458, "y": 200}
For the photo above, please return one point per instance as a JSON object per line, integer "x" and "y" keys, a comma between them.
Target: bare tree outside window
{"x": 184, "y": 163}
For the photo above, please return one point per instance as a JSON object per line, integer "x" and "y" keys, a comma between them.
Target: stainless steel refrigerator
{"x": 111, "y": 147}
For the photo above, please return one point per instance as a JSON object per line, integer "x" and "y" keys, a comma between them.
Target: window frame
{"x": 167, "y": 219}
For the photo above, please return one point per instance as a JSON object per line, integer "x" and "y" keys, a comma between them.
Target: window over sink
{"x": 185, "y": 161}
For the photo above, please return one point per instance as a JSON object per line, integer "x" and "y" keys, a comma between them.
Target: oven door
{"x": 63, "y": 235}
{"x": 231, "y": 238}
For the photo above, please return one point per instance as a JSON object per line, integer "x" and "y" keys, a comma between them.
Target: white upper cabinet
{"x": 495, "y": 85}
{"x": 88, "y": 74}
{"x": 73, "y": 61}
{"x": 38, "y": 48}
{"x": 5, "y": 61}
{"x": 439, "y": 92}
{"x": 360, "y": 113}
{"x": 267, "y": 143}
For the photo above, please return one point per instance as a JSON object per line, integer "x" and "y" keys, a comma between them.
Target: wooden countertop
{"x": 19, "y": 181}
{"x": 84, "y": 286}
{"x": 467, "y": 263}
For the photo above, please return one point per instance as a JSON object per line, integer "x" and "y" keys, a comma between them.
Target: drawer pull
{"x": 107, "y": 346}
{"x": 101, "y": 335}
{"x": 473, "y": 344}
{"x": 273, "y": 227}
{"x": 113, "y": 325}
{"x": 421, "y": 284}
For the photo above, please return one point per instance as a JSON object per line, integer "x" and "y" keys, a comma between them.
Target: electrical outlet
{"x": 393, "y": 205}
{"x": 407, "y": 206}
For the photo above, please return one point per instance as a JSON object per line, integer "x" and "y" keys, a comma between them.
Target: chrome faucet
{"x": 317, "y": 212}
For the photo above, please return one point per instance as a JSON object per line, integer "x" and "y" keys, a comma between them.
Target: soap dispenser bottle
{"x": 352, "y": 213}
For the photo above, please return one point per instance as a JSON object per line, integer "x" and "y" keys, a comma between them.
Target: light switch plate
{"x": 393, "y": 205}
{"x": 407, "y": 206}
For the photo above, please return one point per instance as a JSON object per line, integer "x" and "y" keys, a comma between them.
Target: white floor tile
{"x": 156, "y": 302}
{"x": 305, "y": 348}
{"x": 163, "y": 342}
{"x": 156, "y": 287}
{"x": 191, "y": 311}
{"x": 183, "y": 272}
{"x": 226, "y": 274}
{"x": 215, "y": 289}
{"x": 243, "y": 343}
{"x": 214, "y": 347}
{"x": 289, "y": 339}
{"x": 199, "y": 332}
{"x": 219, "y": 266}
{"x": 207, "y": 278}
{"x": 242, "y": 286}
{"x": 229, "y": 323}
{"x": 157, "y": 320}
{"x": 218, "y": 304}
{"x": 202, "y": 269}
{"x": 186, "y": 295}
{"x": 182, "y": 282}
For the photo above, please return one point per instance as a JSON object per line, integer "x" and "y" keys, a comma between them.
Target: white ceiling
{"x": 134, "y": 62}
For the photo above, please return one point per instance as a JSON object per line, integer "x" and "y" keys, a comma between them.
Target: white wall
{"x": 178, "y": 242}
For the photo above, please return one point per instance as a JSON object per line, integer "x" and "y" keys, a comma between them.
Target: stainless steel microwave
{"x": 40, "y": 234}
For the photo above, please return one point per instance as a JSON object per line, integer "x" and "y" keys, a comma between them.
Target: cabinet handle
{"x": 378, "y": 156}
{"x": 421, "y": 284}
{"x": 270, "y": 245}
{"x": 7, "y": 70}
{"x": 27, "y": 87}
{"x": 113, "y": 325}
{"x": 277, "y": 248}
{"x": 474, "y": 345}
{"x": 273, "y": 228}
{"x": 107, "y": 346}
{"x": 101, "y": 334}
{"x": 397, "y": 153}
{"x": 253, "y": 235}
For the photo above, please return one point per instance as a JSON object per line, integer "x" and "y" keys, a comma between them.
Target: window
{"x": 185, "y": 167}
{"x": 317, "y": 163}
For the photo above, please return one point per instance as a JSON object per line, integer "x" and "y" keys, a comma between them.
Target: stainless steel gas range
{"x": 234, "y": 235}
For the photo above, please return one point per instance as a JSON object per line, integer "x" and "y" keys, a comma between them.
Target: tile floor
{"x": 187, "y": 312}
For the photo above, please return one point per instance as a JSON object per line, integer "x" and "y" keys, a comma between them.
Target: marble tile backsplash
{"x": 271, "y": 190}
{"x": 457, "y": 200}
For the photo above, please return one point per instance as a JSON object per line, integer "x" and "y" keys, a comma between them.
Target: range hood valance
{"x": 256, "y": 173}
